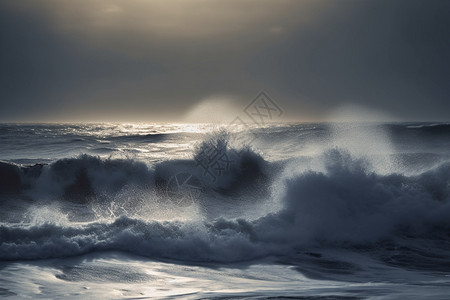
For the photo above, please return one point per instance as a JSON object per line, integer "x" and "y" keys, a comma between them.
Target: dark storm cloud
{"x": 389, "y": 55}
{"x": 145, "y": 61}
{"x": 45, "y": 73}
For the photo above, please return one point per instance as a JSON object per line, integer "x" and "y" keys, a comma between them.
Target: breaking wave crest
{"x": 339, "y": 202}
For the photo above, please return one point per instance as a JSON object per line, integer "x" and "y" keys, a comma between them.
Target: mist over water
{"x": 319, "y": 209}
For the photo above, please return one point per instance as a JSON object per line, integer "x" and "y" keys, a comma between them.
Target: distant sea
{"x": 200, "y": 211}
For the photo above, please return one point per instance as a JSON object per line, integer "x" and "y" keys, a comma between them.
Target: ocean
{"x": 201, "y": 211}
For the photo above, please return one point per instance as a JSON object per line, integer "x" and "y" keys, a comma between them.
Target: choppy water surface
{"x": 307, "y": 211}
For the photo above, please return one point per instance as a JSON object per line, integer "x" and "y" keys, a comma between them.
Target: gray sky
{"x": 181, "y": 60}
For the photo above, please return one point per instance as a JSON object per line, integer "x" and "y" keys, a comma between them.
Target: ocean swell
{"x": 343, "y": 204}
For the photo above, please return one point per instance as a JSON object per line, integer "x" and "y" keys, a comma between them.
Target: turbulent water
{"x": 302, "y": 211}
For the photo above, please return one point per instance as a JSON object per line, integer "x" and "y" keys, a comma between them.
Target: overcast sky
{"x": 149, "y": 61}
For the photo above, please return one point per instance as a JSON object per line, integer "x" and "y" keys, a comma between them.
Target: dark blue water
{"x": 344, "y": 211}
